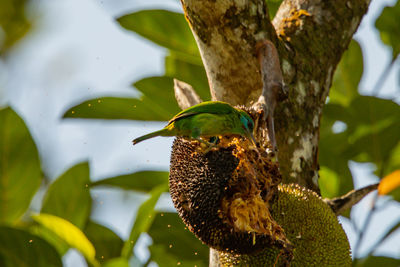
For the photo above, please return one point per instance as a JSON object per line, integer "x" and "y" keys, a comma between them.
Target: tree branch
{"x": 185, "y": 95}
{"x": 343, "y": 203}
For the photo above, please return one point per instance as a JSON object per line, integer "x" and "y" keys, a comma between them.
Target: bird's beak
{"x": 252, "y": 138}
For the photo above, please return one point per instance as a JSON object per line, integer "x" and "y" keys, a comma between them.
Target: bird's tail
{"x": 148, "y": 136}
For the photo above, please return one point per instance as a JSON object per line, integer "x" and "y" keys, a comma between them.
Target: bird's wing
{"x": 213, "y": 107}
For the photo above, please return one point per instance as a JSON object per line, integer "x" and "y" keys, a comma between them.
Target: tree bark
{"x": 310, "y": 36}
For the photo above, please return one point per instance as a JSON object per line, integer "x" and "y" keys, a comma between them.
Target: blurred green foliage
{"x": 389, "y": 28}
{"x": 107, "y": 244}
{"x": 164, "y": 226}
{"x": 137, "y": 181}
{"x": 151, "y": 24}
{"x": 69, "y": 233}
{"x": 68, "y": 197}
{"x": 144, "y": 218}
{"x": 354, "y": 128}
{"x": 17, "y": 184}
{"x": 20, "y": 248}
{"x": 14, "y": 23}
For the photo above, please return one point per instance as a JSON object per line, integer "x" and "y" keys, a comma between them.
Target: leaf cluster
{"x": 41, "y": 239}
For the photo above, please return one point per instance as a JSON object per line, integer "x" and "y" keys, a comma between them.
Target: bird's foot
{"x": 213, "y": 142}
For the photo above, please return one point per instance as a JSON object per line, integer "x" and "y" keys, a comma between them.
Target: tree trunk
{"x": 310, "y": 36}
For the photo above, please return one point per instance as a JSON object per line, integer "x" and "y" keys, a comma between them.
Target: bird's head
{"x": 247, "y": 125}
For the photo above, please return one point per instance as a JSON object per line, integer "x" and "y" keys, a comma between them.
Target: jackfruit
{"x": 232, "y": 199}
{"x": 223, "y": 195}
{"x": 309, "y": 223}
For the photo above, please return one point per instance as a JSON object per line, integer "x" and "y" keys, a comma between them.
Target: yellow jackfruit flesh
{"x": 309, "y": 223}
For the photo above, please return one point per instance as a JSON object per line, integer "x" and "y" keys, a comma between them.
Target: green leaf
{"x": 190, "y": 72}
{"x": 20, "y": 174}
{"x": 159, "y": 254}
{"x": 370, "y": 136}
{"x": 374, "y": 147}
{"x": 336, "y": 112}
{"x": 334, "y": 164}
{"x": 396, "y": 194}
{"x": 158, "y": 93}
{"x": 144, "y": 219}
{"x": 68, "y": 197}
{"x": 367, "y": 110}
{"x": 23, "y": 249}
{"x": 169, "y": 231}
{"x": 347, "y": 76}
{"x": 60, "y": 245}
{"x": 375, "y": 261}
{"x": 116, "y": 262}
{"x": 71, "y": 234}
{"x": 107, "y": 244}
{"x": 14, "y": 23}
{"x": 156, "y": 104}
{"x": 142, "y": 181}
{"x": 393, "y": 162}
{"x": 373, "y": 125}
{"x": 165, "y": 28}
{"x": 389, "y": 27}
{"x": 115, "y": 108}
{"x": 328, "y": 182}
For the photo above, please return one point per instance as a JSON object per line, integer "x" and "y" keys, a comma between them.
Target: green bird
{"x": 206, "y": 119}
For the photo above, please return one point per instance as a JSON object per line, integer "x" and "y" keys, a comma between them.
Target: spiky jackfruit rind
{"x": 311, "y": 226}
{"x": 198, "y": 183}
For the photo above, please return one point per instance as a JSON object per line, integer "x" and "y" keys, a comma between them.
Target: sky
{"x": 76, "y": 51}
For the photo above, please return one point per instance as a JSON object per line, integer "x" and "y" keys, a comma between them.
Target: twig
{"x": 343, "y": 203}
{"x": 383, "y": 238}
{"x": 379, "y": 84}
{"x": 185, "y": 95}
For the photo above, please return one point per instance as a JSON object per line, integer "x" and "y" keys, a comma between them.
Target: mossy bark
{"x": 310, "y": 36}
